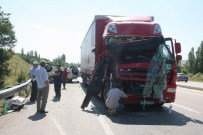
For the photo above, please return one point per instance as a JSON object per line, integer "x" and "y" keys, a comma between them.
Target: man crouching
{"x": 113, "y": 100}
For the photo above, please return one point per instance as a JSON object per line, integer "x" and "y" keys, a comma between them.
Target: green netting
{"x": 156, "y": 77}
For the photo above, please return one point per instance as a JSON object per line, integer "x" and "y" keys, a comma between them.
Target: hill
{"x": 16, "y": 64}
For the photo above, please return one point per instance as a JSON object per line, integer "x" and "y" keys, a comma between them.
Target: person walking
{"x": 43, "y": 87}
{"x": 33, "y": 96}
{"x": 57, "y": 82}
{"x": 64, "y": 77}
{"x": 113, "y": 100}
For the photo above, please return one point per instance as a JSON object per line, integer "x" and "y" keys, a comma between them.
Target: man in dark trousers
{"x": 96, "y": 83}
{"x": 57, "y": 82}
{"x": 33, "y": 96}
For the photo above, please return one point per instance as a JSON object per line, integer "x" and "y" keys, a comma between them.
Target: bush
{"x": 21, "y": 77}
{"x": 184, "y": 71}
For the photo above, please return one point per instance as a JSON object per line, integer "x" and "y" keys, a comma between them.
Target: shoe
{"x": 43, "y": 111}
{"x": 112, "y": 111}
{"x": 82, "y": 107}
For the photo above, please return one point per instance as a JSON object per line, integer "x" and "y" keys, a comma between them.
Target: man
{"x": 113, "y": 100}
{"x": 57, "y": 82}
{"x": 64, "y": 77}
{"x": 43, "y": 87}
{"x": 33, "y": 96}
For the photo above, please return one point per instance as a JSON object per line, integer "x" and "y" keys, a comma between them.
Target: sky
{"x": 56, "y": 27}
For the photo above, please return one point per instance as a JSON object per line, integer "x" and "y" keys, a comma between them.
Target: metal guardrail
{"x": 10, "y": 91}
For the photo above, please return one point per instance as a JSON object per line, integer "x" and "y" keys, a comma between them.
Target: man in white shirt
{"x": 113, "y": 100}
{"x": 43, "y": 87}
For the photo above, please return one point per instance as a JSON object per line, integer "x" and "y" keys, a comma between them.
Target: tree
{"x": 63, "y": 58}
{"x": 5, "y": 55}
{"x": 7, "y": 34}
{"x": 199, "y": 61}
{"x": 22, "y": 52}
{"x": 7, "y": 40}
{"x": 191, "y": 61}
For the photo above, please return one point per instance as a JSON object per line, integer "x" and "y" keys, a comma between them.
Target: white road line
{"x": 191, "y": 93}
{"x": 186, "y": 108}
{"x": 105, "y": 126}
{"x": 58, "y": 127}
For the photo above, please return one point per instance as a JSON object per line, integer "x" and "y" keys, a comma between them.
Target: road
{"x": 66, "y": 118}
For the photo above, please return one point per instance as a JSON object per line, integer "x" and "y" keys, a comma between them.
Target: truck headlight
{"x": 157, "y": 29}
{"x": 112, "y": 28}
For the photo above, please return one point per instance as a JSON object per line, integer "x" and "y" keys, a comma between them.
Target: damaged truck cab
{"x": 141, "y": 60}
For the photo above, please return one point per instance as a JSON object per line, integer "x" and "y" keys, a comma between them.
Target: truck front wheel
{"x": 105, "y": 90}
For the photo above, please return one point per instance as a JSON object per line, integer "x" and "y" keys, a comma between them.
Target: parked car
{"x": 182, "y": 77}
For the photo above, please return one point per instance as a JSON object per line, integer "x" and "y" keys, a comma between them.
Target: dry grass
{"x": 16, "y": 64}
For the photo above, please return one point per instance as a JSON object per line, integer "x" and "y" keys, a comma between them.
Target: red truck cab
{"x": 142, "y": 60}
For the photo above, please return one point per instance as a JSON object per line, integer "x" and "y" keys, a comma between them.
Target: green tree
{"x": 7, "y": 40}
{"x": 199, "y": 59}
{"x": 22, "y": 52}
{"x": 7, "y": 34}
{"x": 191, "y": 61}
{"x": 5, "y": 55}
{"x": 63, "y": 58}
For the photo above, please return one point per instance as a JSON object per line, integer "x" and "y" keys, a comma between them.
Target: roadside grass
{"x": 197, "y": 77}
{"x": 16, "y": 64}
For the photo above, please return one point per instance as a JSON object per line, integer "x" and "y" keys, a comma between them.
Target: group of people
{"x": 40, "y": 84}
{"x": 40, "y": 88}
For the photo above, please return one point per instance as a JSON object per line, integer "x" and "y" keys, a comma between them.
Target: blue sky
{"x": 56, "y": 27}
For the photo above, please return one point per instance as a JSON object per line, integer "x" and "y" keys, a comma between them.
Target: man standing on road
{"x": 64, "y": 77}
{"x": 57, "y": 82}
{"x": 43, "y": 87}
{"x": 113, "y": 100}
{"x": 33, "y": 96}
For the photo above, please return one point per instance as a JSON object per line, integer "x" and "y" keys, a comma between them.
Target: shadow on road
{"x": 37, "y": 116}
{"x": 135, "y": 115}
{"x": 152, "y": 116}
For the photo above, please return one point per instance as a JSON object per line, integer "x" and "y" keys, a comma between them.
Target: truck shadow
{"x": 135, "y": 115}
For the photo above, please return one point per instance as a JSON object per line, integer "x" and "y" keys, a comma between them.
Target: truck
{"x": 140, "y": 59}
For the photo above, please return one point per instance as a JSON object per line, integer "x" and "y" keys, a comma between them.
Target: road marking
{"x": 192, "y": 93}
{"x": 58, "y": 127}
{"x": 186, "y": 108}
{"x": 105, "y": 126}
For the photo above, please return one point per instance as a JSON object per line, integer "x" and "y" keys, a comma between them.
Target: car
{"x": 182, "y": 77}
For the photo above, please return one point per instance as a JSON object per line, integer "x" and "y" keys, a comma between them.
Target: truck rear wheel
{"x": 105, "y": 90}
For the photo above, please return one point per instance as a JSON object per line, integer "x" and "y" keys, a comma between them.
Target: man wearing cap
{"x": 33, "y": 96}
{"x": 43, "y": 87}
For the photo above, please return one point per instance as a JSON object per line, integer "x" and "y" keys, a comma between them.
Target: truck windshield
{"x": 143, "y": 54}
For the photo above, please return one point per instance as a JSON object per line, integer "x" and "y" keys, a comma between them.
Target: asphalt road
{"x": 66, "y": 118}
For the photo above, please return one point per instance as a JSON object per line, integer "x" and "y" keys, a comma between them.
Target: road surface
{"x": 66, "y": 118}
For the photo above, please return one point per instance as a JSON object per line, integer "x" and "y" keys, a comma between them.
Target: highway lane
{"x": 66, "y": 117}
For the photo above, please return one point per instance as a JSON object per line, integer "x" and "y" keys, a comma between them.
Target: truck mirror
{"x": 178, "y": 58}
{"x": 177, "y": 48}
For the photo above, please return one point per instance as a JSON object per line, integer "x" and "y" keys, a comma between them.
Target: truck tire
{"x": 105, "y": 90}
